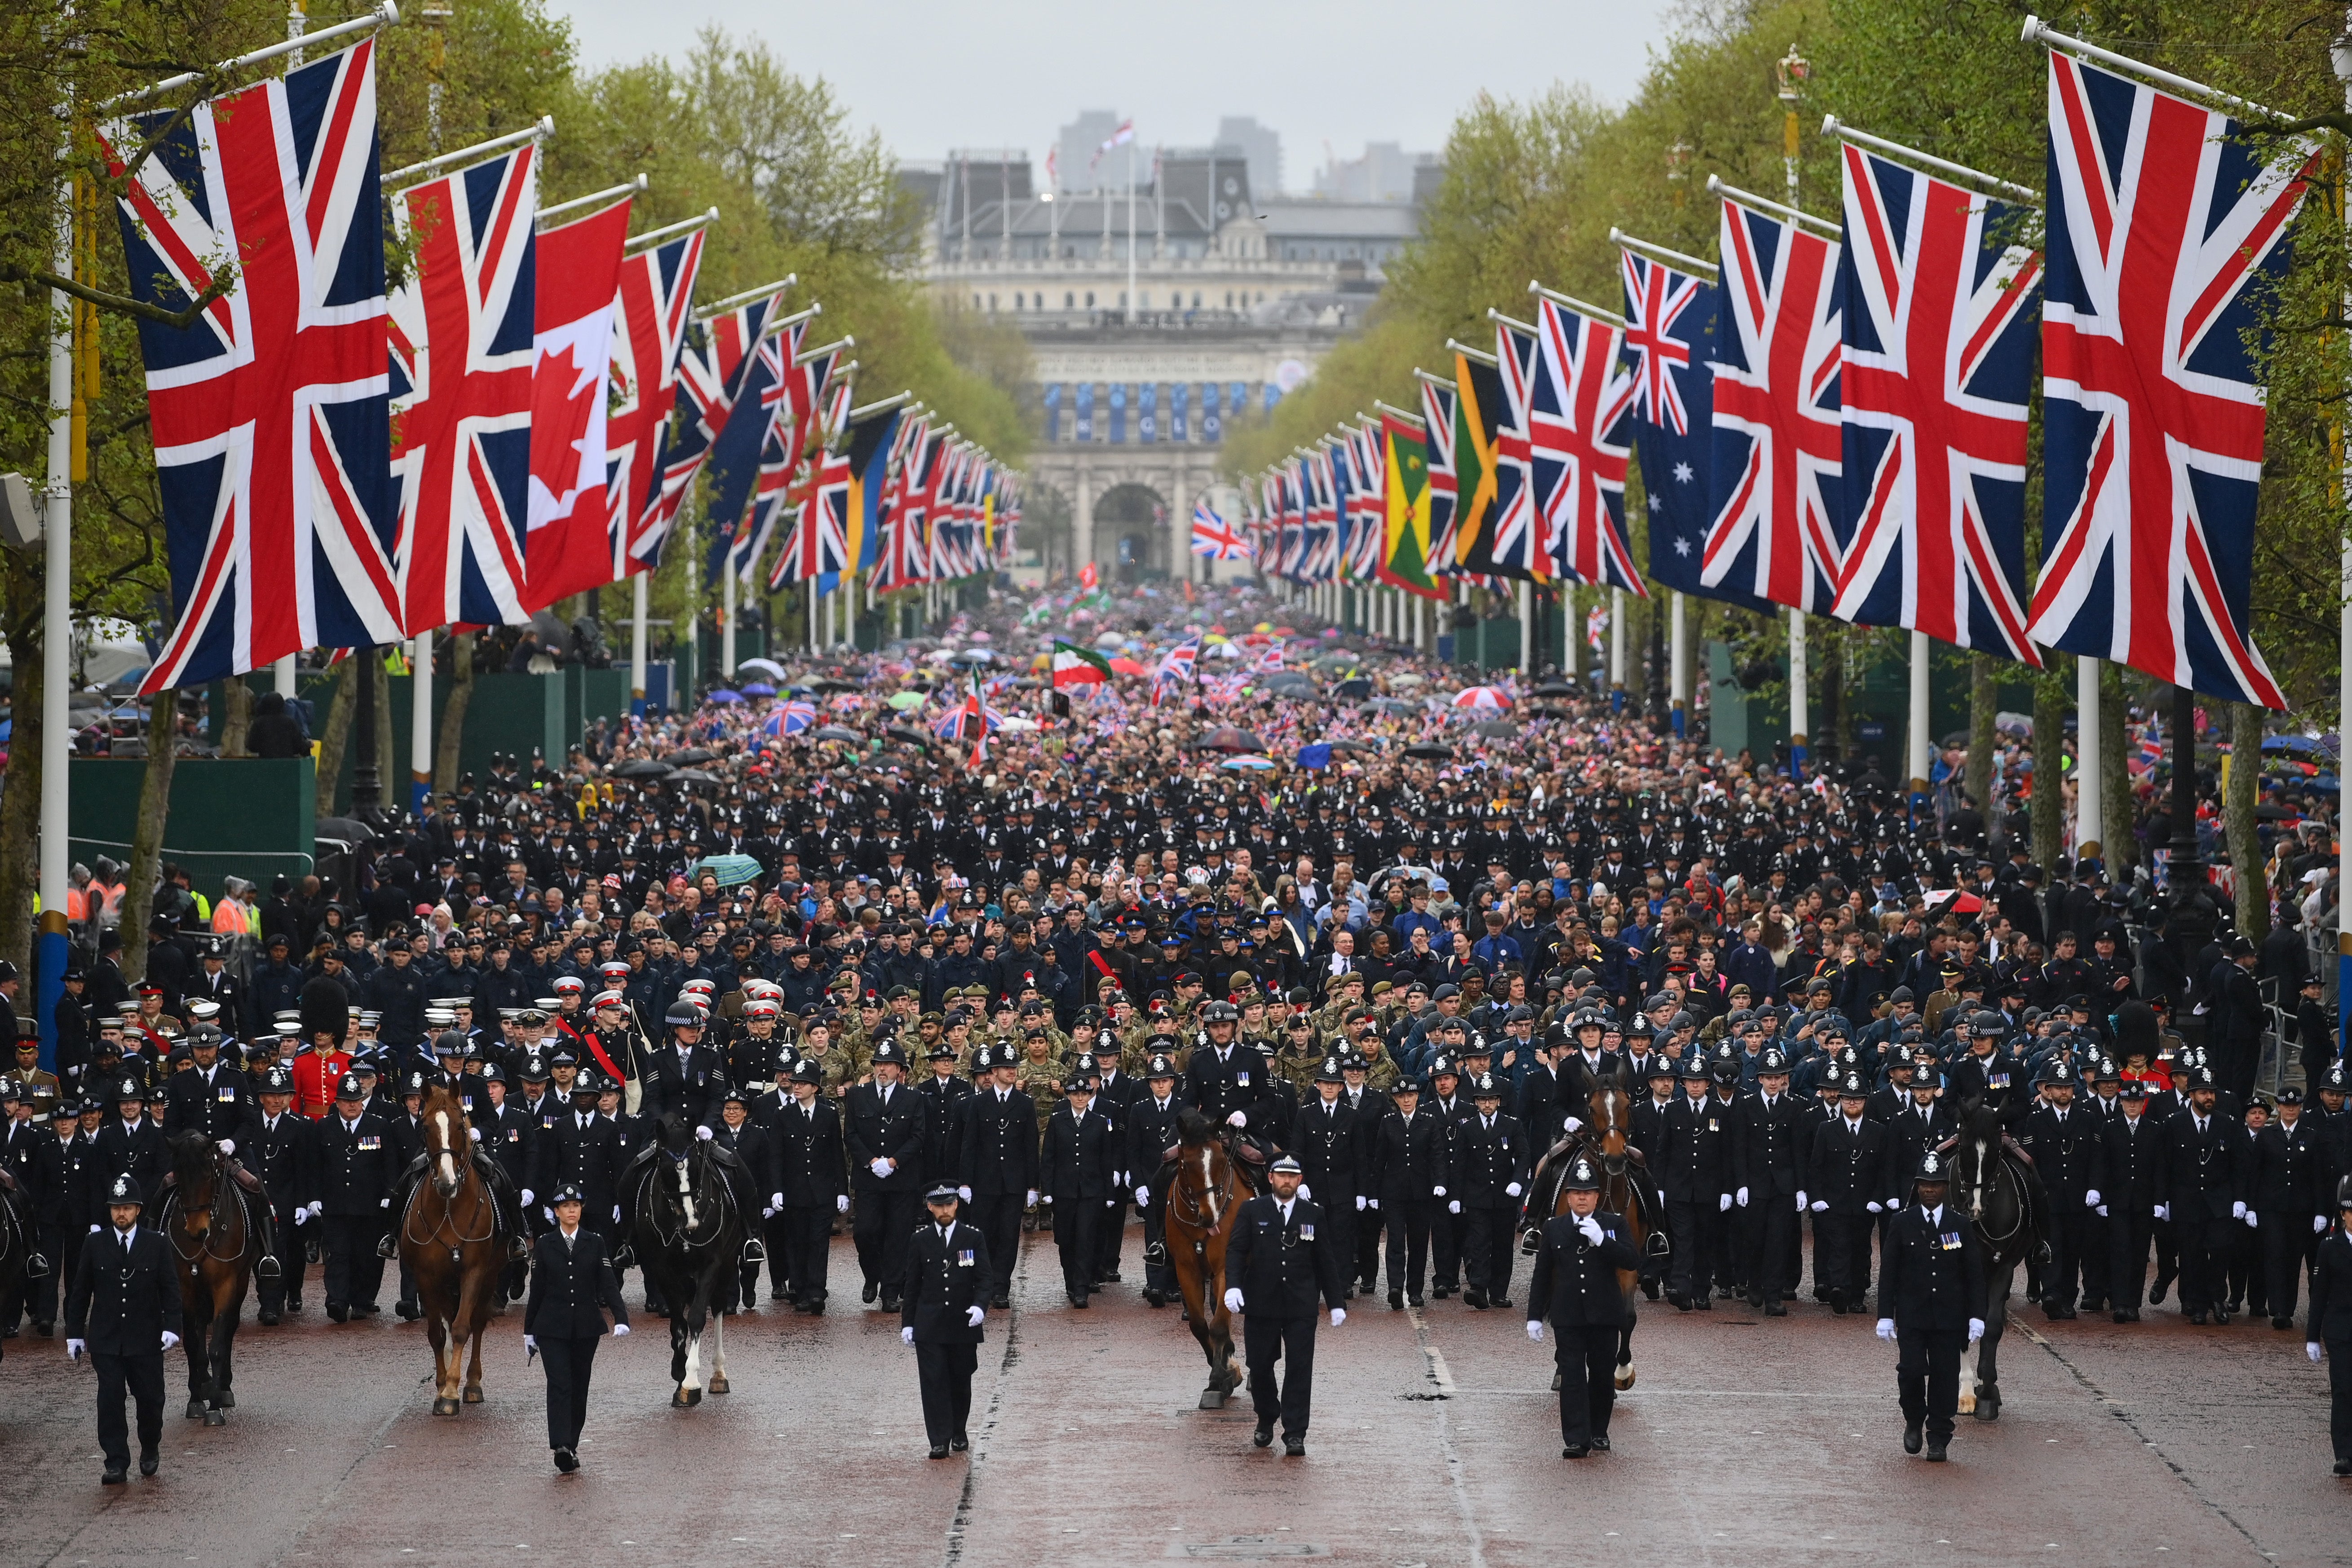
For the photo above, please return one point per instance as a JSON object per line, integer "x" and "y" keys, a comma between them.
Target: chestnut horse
{"x": 449, "y": 1242}
{"x": 217, "y": 1244}
{"x": 1607, "y": 1137}
{"x": 1206, "y": 1196}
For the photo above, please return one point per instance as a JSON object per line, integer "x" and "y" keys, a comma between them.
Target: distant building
{"x": 1260, "y": 147}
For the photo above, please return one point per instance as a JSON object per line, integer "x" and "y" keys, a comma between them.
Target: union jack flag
{"x": 463, "y": 351}
{"x": 1368, "y": 533}
{"x": 748, "y": 449}
{"x": 649, "y": 333}
{"x": 1938, "y": 358}
{"x": 1437, "y": 413}
{"x": 1269, "y": 657}
{"x": 2160, "y": 216}
{"x": 269, "y": 412}
{"x": 1177, "y": 668}
{"x": 1214, "y": 537}
{"x": 1777, "y": 439}
{"x": 1512, "y": 542}
{"x": 798, "y": 715}
{"x": 719, "y": 354}
{"x": 1580, "y": 437}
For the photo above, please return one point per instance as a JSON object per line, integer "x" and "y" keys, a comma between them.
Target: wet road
{"x": 1434, "y": 1442}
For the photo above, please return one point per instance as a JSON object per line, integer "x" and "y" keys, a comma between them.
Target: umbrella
{"x": 1288, "y": 681}
{"x": 722, "y": 697}
{"x": 907, "y": 733}
{"x": 1406, "y": 682}
{"x": 1554, "y": 689}
{"x": 1228, "y": 738}
{"x": 1431, "y": 750}
{"x": 732, "y": 871}
{"x": 759, "y": 689}
{"x": 1253, "y": 763}
{"x": 644, "y": 768}
{"x": 972, "y": 656}
{"x": 692, "y": 755}
{"x": 837, "y": 732}
{"x": 1391, "y": 705}
{"x": 1125, "y": 666}
{"x": 1481, "y": 699}
{"x": 692, "y": 776}
{"x": 903, "y": 700}
{"x": 1496, "y": 729}
{"x": 344, "y": 828}
{"x": 1222, "y": 650}
{"x": 830, "y": 683}
{"x": 767, "y": 667}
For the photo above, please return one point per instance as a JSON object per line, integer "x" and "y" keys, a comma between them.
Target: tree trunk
{"x": 237, "y": 715}
{"x": 2049, "y": 815}
{"x": 453, "y": 713}
{"x": 1977, "y": 777}
{"x": 147, "y": 837}
{"x": 336, "y": 732}
{"x": 2238, "y": 802}
{"x": 394, "y": 784}
{"x": 20, "y": 804}
{"x": 2116, "y": 837}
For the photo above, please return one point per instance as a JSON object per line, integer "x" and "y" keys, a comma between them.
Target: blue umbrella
{"x": 732, "y": 870}
{"x": 759, "y": 689}
{"x": 723, "y": 695}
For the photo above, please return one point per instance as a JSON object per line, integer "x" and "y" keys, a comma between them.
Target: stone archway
{"x": 1130, "y": 533}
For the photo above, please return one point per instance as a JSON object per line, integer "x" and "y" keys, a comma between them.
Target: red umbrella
{"x": 1124, "y": 665}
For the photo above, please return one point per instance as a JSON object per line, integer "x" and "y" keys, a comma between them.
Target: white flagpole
{"x": 1678, "y": 660}
{"x": 57, "y": 616}
{"x": 1799, "y": 696}
{"x": 727, "y": 622}
{"x": 1527, "y": 627}
{"x": 1617, "y": 649}
{"x": 2340, "y": 56}
{"x": 420, "y": 722}
{"x": 637, "y": 644}
{"x": 2088, "y": 797}
{"x": 1920, "y": 748}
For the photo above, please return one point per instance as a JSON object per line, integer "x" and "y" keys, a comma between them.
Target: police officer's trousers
{"x": 1587, "y": 1358}
{"x": 1266, "y": 1340}
{"x": 569, "y": 1362}
{"x": 1927, "y": 1378}
{"x": 142, "y": 1376}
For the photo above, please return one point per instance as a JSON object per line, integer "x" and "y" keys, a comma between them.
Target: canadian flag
{"x": 567, "y": 548}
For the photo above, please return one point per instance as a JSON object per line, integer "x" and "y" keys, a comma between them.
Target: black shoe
{"x": 1680, "y": 1302}
{"x": 939, "y": 1450}
{"x": 2344, "y": 1467}
{"x": 1442, "y": 1291}
{"x": 2198, "y": 1319}
{"x": 1704, "y": 1304}
{"x": 1934, "y": 1453}
{"x": 1414, "y": 1301}
{"x": 872, "y": 1288}
{"x": 2125, "y": 1315}
{"x": 268, "y": 1318}
{"x": 310, "y": 1253}
{"x": 1264, "y": 1436}
{"x": 365, "y": 1309}
{"x": 959, "y": 1443}
{"x": 1112, "y": 1277}
{"x": 115, "y": 1477}
{"x": 1396, "y": 1302}
{"x": 1575, "y": 1451}
{"x": 1776, "y": 1310}
{"x": 406, "y": 1311}
{"x": 293, "y": 1305}
{"x": 2282, "y": 1322}
{"x": 267, "y": 1268}
{"x": 1078, "y": 1299}
{"x": 1600, "y": 1443}
{"x": 890, "y": 1302}
{"x": 2222, "y": 1320}
{"x": 387, "y": 1246}
{"x": 566, "y": 1460}
{"x": 2095, "y": 1303}
{"x": 149, "y": 1462}
{"x": 45, "y": 1330}
{"x": 1500, "y": 1302}
{"x": 1913, "y": 1438}
{"x": 1475, "y": 1298}
{"x": 1293, "y": 1447}
{"x": 337, "y": 1312}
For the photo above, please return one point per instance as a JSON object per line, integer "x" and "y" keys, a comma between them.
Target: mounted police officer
{"x": 1930, "y": 1288}
{"x": 1575, "y": 1286}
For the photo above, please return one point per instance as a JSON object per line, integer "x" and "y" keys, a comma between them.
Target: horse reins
{"x": 173, "y": 1204}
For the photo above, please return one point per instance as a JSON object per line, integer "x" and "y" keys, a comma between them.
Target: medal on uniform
{"x": 964, "y": 1258}
{"x": 1306, "y": 1233}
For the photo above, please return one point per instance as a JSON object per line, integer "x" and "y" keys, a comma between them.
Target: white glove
{"x": 1976, "y": 1330}
{"x": 1437, "y": 1191}
{"x": 1875, "y": 1207}
{"x": 170, "y": 1339}
{"x": 1048, "y": 1198}
{"x": 1360, "y": 1203}
{"x": 768, "y": 1212}
{"x": 526, "y": 1197}
{"x": 1374, "y": 1201}
{"x": 317, "y": 1208}
{"x": 616, "y": 1212}
{"x": 386, "y": 1203}
{"x": 775, "y": 1202}
{"x": 1237, "y": 1119}
{"x": 1306, "y": 1192}
{"x": 973, "y": 1314}
{"x": 1535, "y": 1329}
{"x": 93, "y": 1229}
{"x": 841, "y": 1201}
{"x": 1821, "y": 1205}
{"x": 2163, "y": 1211}
{"x": 2091, "y": 1199}
{"x": 1032, "y": 1195}
{"x": 300, "y": 1215}
{"x": 2254, "y": 1222}
{"x": 704, "y": 1133}
{"x": 547, "y": 1213}
{"x": 880, "y": 1167}
{"x": 1886, "y": 1329}
{"x": 906, "y": 1336}
{"x": 2102, "y": 1211}
{"x": 1339, "y": 1316}
{"x": 1591, "y": 1230}
{"x": 2237, "y": 1211}
{"x": 1453, "y": 1205}
{"x": 531, "y": 1344}
{"x": 963, "y": 1193}
{"x": 1575, "y": 1124}
{"x": 1143, "y": 1198}
{"x": 620, "y": 1330}
{"x": 1723, "y": 1203}
{"x": 1800, "y": 1201}
{"x": 1513, "y": 1190}
{"x": 2319, "y": 1225}
{"x": 1233, "y": 1299}
{"x": 1740, "y": 1198}
{"x": 2310, "y": 1348}
{"x": 475, "y": 1133}
{"x": 228, "y": 1145}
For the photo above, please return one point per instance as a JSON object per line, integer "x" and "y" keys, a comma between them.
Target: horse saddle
{"x": 7, "y": 1180}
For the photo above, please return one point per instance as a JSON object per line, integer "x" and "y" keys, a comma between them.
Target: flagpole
{"x": 636, "y": 187}
{"x": 1131, "y": 231}
{"x": 420, "y": 722}
{"x": 1799, "y": 696}
{"x": 1921, "y": 746}
{"x": 415, "y": 173}
{"x": 1679, "y": 662}
{"x": 295, "y": 43}
{"x": 1617, "y": 651}
{"x": 1527, "y": 627}
{"x": 726, "y": 622}
{"x": 2340, "y": 56}
{"x": 56, "y": 630}
{"x": 2088, "y": 802}
{"x": 637, "y": 646}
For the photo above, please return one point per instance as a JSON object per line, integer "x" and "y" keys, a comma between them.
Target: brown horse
{"x": 1205, "y": 1195}
{"x": 1607, "y": 1137}
{"x": 217, "y": 1243}
{"x": 449, "y": 1242}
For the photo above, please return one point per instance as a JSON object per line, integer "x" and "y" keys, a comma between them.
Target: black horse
{"x": 688, "y": 1236}
{"x": 1991, "y": 1189}
{"x": 18, "y": 1235}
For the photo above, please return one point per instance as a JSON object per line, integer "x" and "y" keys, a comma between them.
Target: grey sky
{"x": 931, "y": 75}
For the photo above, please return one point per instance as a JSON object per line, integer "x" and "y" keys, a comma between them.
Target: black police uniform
{"x": 353, "y": 1173}
{"x": 1489, "y": 1160}
{"x": 1765, "y": 1161}
{"x": 124, "y": 1299}
{"x": 1410, "y": 1172}
{"x": 2127, "y": 1169}
{"x": 879, "y": 1127}
{"x": 1078, "y": 1171}
{"x": 949, "y": 1272}
{"x": 1693, "y": 1169}
{"x": 2063, "y": 1145}
{"x": 281, "y": 1154}
{"x": 810, "y": 1165}
{"x": 575, "y": 1300}
{"x": 1932, "y": 1284}
{"x": 2330, "y": 1325}
{"x": 1281, "y": 1266}
{"x": 999, "y": 1150}
{"x": 1575, "y": 1287}
{"x": 2203, "y": 1180}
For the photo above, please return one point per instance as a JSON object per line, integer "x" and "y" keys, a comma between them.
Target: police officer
{"x": 941, "y": 1309}
{"x": 1078, "y": 1176}
{"x": 1692, "y": 1170}
{"x": 1768, "y": 1171}
{"x": 809, "y": 1159}
{"x": 1490, "y": 1173}
{"x": 1575, "y": 1286}
{"x": 123, "y": 1309}
{"x": 1151, "y": 1131}
{"x": 575, "y": 1298}
{"x": 883, "y": 1124}
{"x": 1930, "y": 1288}
{"x": 1407, "y": 1183}
{"x": 1276, "y": 1264}
{"x": 280, "y": 1151}
{"x": 997, "y": 1150}
{"x": 2063, "y": 1142}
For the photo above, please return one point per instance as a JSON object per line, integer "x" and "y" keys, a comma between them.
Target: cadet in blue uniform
{"x": 940, "y": 1308}
{"x": 575, "y": 1298}
{"x": 1931, "y": 1286}
{"x": 1575, "y": 1286}
{"x": 1276, "y": 1267}
{"x": 124, "y": 1309}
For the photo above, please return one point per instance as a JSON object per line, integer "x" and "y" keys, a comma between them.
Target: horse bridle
{"x": 175, "y": 1202}
{"x": 1210, "y": 1192}
{"x": 1981, "y": 1183}
{"x": 687, "y": 1234}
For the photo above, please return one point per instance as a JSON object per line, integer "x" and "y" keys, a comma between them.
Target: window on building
{"x": 1070, "y": 302}
{"x": 1090, "y": 299}
{"x": 1196, "y": 299}
{"x": 975, "y": 301}
{"x": 991, "y": 304}
{"x": 1017, "y": 302}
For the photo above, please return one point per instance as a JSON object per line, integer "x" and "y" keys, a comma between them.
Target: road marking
{"x": 979, "y": 1452}
{"x": 1442, "y": 1377}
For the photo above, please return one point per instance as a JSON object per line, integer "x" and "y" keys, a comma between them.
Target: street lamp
{"x": 1791, "y": 70}
{"x": 1678, "y": 158}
